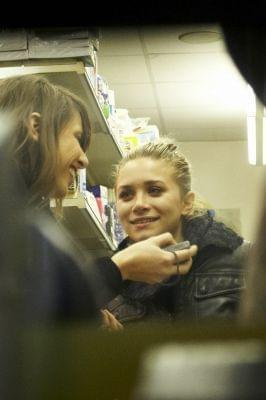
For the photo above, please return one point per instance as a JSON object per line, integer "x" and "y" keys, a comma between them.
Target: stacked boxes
{"x": 50, "y": 43}
{"x": 13, "y": 45}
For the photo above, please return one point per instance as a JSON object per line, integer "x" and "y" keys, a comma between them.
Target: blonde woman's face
{"x": 149, "y": 201}
{"x": 71, "y": 156}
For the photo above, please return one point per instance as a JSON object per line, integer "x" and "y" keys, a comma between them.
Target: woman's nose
{"x": 140, "y": 202}
{"x": 82, "y": 161}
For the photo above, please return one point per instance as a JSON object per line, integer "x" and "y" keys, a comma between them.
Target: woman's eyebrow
{"x": 153, "y": 181}
{"x": 149, "y": 182}
{"x": 124, "y": 186}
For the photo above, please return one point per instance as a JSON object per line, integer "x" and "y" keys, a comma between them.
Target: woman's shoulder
{"x": 220, "y": 264}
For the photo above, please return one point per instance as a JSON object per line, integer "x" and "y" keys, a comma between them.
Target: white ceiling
{"x": 191, "y": 91}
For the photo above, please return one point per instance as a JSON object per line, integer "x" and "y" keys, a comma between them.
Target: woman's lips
{"x": 142, "y": 222}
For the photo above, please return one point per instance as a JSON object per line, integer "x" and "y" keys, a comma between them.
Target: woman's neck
{"x": 178, "y": 235}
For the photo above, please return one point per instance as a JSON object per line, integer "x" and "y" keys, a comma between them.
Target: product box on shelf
{"x": 103, "y": 95}
{"x": 109, "y": 212}
{"x": 111, "y": 100}
{"x": 82, "y": 180}
{"x": 92, "y": 202}
{"x": 100, "y": 193}
{"x": 149, "y": 133}
{"x": 117, "y": 229}
{"x": 129, "y": 142}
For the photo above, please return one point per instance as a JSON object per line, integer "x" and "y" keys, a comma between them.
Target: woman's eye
{"x": 79, "y": 139}
{"x": 155, "y": 190}
{"x": 125, "y": 195}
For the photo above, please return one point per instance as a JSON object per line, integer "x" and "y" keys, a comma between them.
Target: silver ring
{"x": 176, "y": 258}
{"x": 176, "y": 262}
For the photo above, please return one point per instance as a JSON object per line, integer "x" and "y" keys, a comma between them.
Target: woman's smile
{"x": 72, "y": 174}
{"x": 143, "y": 222}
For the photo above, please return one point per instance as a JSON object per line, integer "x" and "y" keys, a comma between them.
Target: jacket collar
{"x": 204, "y": 231}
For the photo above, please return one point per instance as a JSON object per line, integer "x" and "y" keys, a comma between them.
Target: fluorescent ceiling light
{"x": 256, "y": 129}
{"x": 264, "y": 137}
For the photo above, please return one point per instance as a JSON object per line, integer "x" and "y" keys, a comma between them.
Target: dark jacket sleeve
{"x": 215, "y": 287}
{"x": 109, "y": 277}
{"x": 60, "y": 286}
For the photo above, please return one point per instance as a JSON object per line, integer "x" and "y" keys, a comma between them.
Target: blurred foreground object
{"x": 247, "y": 46}
{"x": 211, "y": 371}
{"x": 13, "y": 255}
{"x": 253, "y": 305}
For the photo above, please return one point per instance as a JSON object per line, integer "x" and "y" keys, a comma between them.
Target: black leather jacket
{"x": 212, "y": 288}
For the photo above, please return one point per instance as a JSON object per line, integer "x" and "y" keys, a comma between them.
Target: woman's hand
{"x": 109, "y": 321}
{"x": 146, "y": 261}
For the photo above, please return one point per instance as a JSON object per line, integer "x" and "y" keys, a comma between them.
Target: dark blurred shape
{"x": 247, "y": 46}
{"x": 253, "y": 305}
{"x": 211, "y": 371}
{"x": 12, "y": 233}
{"x": 41, "y": 279}
{"x": 44, "y": 277}
{"x": 12, "y": 255}
{"x": 246, "y": 43}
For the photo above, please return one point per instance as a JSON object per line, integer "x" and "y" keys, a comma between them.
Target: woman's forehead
{"x": 144, "y": 169}
{"x": 148, "y": 164}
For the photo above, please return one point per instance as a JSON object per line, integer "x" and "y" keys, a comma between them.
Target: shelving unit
{"x": 103, "y": 153}
{"x": 80, "y": 219}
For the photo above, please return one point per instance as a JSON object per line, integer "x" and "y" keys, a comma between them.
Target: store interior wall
{"x": 223, "y": 177}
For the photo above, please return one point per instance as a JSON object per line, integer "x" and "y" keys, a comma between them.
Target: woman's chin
{"x": 60, "y": 192}
{"x": 142, "y": 236}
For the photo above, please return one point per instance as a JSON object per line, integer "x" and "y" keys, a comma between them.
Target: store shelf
{"x": 84, "y": 225}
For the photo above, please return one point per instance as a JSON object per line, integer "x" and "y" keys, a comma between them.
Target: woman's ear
{"x": 34, "y": 125}
{"x": 188, "y": 202}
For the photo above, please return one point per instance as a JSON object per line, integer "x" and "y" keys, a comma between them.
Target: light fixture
{"x": 256, "y": 129}
{"x": 199, "y": 37}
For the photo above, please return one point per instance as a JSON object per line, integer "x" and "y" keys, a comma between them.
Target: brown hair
{"x": 37, "y": 160}
{"x": 167, "y": 150}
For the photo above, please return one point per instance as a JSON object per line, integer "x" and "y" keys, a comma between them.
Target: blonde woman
{"x": 153, "y": 196}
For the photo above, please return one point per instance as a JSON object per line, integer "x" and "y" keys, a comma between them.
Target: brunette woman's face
{"x": 71, "y": 155}
{"x": 149, "y": 201}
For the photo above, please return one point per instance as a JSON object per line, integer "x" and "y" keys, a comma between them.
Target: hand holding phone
{"x": 178, "y": 246}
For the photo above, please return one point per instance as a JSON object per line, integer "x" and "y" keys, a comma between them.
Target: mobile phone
{"x": 178, "y": 246}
